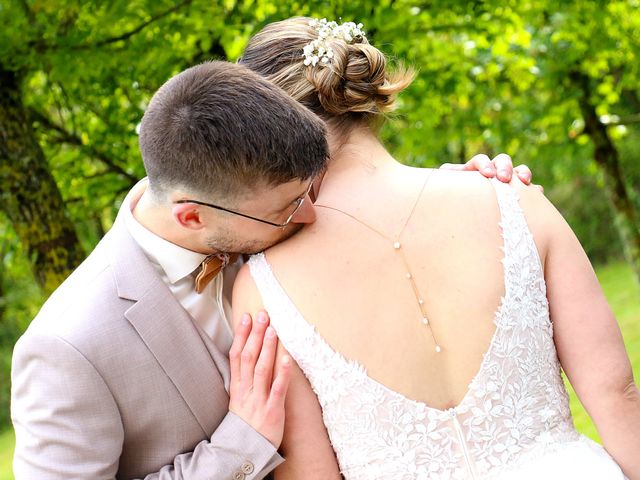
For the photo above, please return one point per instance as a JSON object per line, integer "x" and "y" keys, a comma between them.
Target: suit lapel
{"x": 219, "y": 358}
{"x": 197, "y": 371}
{"x": 172, "y": 337}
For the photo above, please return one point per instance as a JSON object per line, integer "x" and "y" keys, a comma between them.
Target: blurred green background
{"x": 554, "y": 84}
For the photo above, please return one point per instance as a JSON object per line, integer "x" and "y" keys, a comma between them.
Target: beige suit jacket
{"x": 113, "y": 379}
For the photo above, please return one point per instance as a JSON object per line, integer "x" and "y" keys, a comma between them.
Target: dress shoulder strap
{"x": 522, "y": 264}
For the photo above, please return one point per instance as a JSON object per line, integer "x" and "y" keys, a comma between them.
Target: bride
{"x": 429, "y": 312}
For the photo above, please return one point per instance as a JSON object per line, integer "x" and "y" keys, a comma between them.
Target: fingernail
{"x": 245, "y": 319}
{"x": 487, "y": 170}
{"x": 504, "y": 173}
{"x": 286, "y": 360}
{"x": 270, "y": 332}
{"x": 262, "y": 318}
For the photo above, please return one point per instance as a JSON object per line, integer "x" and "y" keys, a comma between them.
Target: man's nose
{"x": 306, "y": 213}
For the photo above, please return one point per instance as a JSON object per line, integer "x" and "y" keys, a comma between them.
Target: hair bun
{"x": 348, "y": 75}
{"x": 356, "y": 80}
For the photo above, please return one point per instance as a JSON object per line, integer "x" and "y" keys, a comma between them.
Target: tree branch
{"x": 27, "y": 11}
{"x": 131, "y": 33}
{"x": 72, "y": 139}
{"x": 623, "y": 119}
{"x": 632, "y": 99}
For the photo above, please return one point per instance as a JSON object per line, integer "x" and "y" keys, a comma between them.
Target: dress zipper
{"x": 463, "y": 443}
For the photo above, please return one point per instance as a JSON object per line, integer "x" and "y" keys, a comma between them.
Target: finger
{"x": 504, "y": 167}
{"x": 265, "y": 365}
{"x": 524, "y": 174}
{"x": 453, "y": 166}
{"x": 481, "y": 163}
{"x": 252, "y": 349}
{"x": 241, "y": 334}
{"x": 539, "y": 187}
{"x": 280, "y": 384}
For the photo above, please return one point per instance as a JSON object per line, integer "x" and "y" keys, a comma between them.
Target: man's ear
{"x": 187, "y": 215}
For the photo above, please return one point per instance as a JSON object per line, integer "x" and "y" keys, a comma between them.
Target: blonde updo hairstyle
{"x": 355, "y": 86}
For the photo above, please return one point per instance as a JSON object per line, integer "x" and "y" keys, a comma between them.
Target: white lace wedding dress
{"x": 513, "y": 423}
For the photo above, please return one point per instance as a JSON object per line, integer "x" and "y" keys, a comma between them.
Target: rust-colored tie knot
{"x": 211, "y": 266}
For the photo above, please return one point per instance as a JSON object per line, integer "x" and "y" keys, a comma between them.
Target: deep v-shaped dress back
{"x": 514, "y": 421}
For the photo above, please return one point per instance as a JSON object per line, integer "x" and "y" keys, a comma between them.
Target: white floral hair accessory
{"x": 319, "y": 51}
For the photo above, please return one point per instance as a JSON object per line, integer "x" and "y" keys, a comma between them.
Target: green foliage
{"x": 7, "y": 442}
{"x": 585, "y": 208}
{"x": 19, "y": 302}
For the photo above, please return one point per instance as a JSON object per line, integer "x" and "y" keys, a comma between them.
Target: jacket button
{"x": 247, "y": 468}
{"x": 238, "y": 475}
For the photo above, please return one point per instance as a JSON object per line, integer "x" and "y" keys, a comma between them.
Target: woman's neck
{"x": 359, "y": 155}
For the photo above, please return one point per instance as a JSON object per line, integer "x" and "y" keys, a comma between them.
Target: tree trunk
{"x": 607, "y": 158}
{"x": 29, "y": 194}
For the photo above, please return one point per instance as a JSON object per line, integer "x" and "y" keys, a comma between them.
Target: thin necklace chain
{"x": 397, "y": 246}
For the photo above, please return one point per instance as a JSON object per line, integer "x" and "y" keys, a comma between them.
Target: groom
{"x": 124, "y": 372}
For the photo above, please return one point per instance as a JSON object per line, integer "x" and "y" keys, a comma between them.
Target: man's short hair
{"x": 217, "y": 129}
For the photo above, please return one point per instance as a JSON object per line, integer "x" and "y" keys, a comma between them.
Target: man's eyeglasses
{"x": 297, "y": 205}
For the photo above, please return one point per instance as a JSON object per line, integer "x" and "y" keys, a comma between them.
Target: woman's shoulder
{"x": 476, "y": 195}
{"x": 470, "y": 197}
{"x": 458, "y": 183}
{"x": 246, "y": 295}
{"x": 472, "y": 186}
{"x": 460, "y": 194}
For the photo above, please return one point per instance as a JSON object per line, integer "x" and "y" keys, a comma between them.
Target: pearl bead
{"x": 408, "y": 275}
{"x": 396, "y": 245}
{"x": 421, "y": 302}
{"x": 425, "y": 320}
{"x": 438, "y": 349}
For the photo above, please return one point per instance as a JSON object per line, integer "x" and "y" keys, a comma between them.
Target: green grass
{"x": 6, "y": 452}
{"x": 623, "y": 294}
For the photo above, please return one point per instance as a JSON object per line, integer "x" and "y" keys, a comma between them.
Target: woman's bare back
{"x": 351, "y": 283}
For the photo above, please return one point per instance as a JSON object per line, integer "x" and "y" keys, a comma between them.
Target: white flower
{"x": 319, "y": 50}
